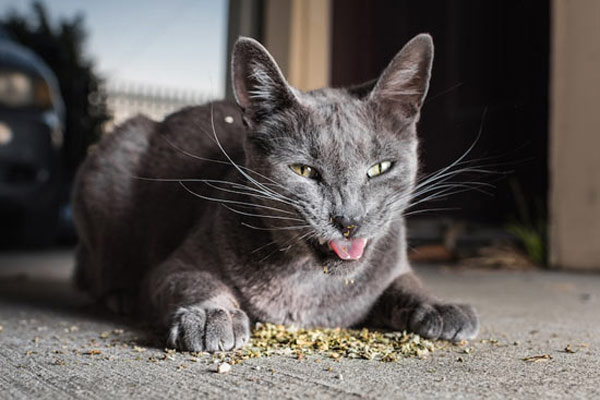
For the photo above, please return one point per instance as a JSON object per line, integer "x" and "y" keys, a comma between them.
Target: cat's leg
{"x": 405, "y": 305}
{"x": 197, "y": 310}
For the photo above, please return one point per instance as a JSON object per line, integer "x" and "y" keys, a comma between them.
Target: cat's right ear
{"x": 258, "y": 84}
{"x": 403, "y": 85}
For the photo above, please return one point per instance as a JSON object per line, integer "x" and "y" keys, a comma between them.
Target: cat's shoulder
{"x": 212, "y": 109}
{"x": 220, "y": 113}
{"x": 201, "y": 123}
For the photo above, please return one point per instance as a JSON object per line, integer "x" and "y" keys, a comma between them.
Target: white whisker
{"x": 260, "y": 215}
{"x": 283, "y": 228}
{"x": 226, "y": 200}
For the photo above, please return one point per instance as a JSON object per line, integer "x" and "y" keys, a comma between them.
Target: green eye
{"x": 379, "y": 168}
{"x": 304, "y": 171}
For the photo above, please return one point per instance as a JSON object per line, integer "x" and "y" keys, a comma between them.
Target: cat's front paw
{"x": 206, "y": 328}
{"x": 454, "y": 322}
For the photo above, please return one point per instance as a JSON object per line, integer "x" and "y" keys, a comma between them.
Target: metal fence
{"x": 125, "y": 100}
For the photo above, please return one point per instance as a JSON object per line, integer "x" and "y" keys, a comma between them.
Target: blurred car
{"x": 31, "y": 140}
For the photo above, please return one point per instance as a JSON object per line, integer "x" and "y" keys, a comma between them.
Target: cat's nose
{"x": 348, "y": 226}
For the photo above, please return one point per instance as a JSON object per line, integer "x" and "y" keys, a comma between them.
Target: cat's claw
{"x": 205, "y": 328}
{"x": 454, "y": 322}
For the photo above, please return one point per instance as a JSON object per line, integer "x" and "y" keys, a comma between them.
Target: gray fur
{"x": 200, "y": 225}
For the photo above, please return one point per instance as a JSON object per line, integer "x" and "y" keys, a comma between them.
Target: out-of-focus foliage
{"x": 62, "y": 46}
{"x": 530, "y": 227}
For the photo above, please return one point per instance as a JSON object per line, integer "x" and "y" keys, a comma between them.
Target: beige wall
{"x": 297, "y": 33}
{"x": 575, "y": 135}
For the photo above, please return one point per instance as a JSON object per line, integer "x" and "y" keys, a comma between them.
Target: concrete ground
{"x": 55, "y": 344}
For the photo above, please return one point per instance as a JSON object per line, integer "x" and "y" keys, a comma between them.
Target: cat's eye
{"x": 305, "y": 171}
{"x": 379, "y": 168}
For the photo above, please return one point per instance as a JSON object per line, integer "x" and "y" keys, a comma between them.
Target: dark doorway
{"x": 491, "y": 55}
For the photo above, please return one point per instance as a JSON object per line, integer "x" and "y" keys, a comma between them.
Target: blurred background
{"x": 518, "y": 81}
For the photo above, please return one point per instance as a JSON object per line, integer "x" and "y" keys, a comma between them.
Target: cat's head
{"x": 341, "y": 163}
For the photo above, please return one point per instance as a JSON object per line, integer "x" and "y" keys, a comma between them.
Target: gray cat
{"x": 287, "y": 208}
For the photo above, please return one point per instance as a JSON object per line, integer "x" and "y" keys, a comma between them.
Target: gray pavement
{"x": 54, "y": 343}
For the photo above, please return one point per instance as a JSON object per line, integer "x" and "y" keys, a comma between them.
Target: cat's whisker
{"x": 436, "y": 195}
{"x": 211, "y": 183}
{"x": 459, "y": 168}
{"x": 441, "y": 194}
{"x": 281, "y": 228}
{"x": 260, "y": 215}
{"x": 187, "y": 153}
{"x": 217, "y": 200}
{"x": 287, "y": 245}
{"x": 439, "y": 183}
{"x": 447, "y": 170}
{"x": 449, "y": 175}
{"x": 295, "y": 240}
{"x": 407, "y": 200}
{"x": 243, "y": 191}
{"x": 476, "y": 186}
{"x": 425, "y": 210}
{"x": 272, "y": 242}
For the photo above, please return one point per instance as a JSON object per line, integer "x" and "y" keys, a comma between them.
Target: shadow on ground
{"x": 540, "y": 338}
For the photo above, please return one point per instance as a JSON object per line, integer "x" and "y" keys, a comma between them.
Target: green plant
{"x": 530, "y": 227}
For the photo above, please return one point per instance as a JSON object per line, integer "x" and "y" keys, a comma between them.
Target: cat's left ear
{"x": 403, "y": 85}
{"x": 258, "y": 84}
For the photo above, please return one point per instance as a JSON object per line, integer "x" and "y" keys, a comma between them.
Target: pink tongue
{"x": 348, "y": 249}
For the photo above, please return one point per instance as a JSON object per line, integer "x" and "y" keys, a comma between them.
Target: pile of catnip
{"x": 268, "y": 340}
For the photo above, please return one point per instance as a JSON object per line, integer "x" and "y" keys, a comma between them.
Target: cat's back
{"x": 129, "y": 209}
{"x": 141, "y": 152}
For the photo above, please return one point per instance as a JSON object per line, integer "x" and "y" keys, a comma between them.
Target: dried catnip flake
{"x": 569, "y": 349}
{"x": 535, "y": 359}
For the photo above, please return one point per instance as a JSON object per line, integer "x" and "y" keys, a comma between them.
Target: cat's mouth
{"x": 347, "y": 249}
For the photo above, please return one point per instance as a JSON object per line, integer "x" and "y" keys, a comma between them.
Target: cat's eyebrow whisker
{"x": 217, "y": 200}
{"x": 438, "y": 184}
{"x": 260, "y": 215}
{"x": 187, "y": 153}
{"x": 240, "y": 170}
{"x": 466, "y": 152}
{"x": 443, "y": 92}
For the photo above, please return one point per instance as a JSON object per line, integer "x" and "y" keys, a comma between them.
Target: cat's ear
{"x": 403, "y": 85}
{"x": 258, "y": 84}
